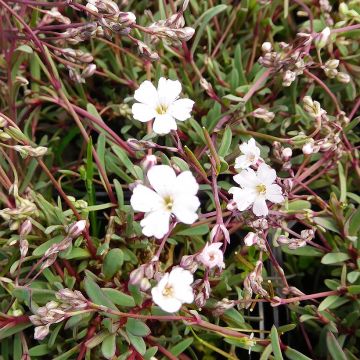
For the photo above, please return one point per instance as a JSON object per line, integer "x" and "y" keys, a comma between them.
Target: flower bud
{"x": 308, "y": 148}
{"x": 188, "y": 262}
{"x": 322, "y": 38}
{"x": 148, "y": 162}
{"x": 76, "y": 229}
{"x": 92, "y": 7}
{"x": 41, "y": 332}
{"x": 145, "y": 284}
{"x": 3, "y": 122}
{"x": 88, "y": 71}
{"x": 126, "y": 18}
{"x": 25, "y": 228}
{"x": 24, "y": 247}
{"x": 266, "y": 47}
{"x": 288, "y": 78}
{"x": 286, "y": 153}
{"x": 332, "y": 64}
{"x": 313, "y": 108}
{"x": 343, "y": 77}
{"x": 251, "y": 239}
{"x": 136, "y": 276}
{"x": 282, "y": 240}
{"x": 264, "y": 114}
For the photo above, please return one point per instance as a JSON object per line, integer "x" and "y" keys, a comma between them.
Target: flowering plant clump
{"x": 179, "y": 180}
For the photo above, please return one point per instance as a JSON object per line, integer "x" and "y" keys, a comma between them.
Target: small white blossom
{"x": 250, "y": 157}
{"x": 173, "y": 290}
{"x": 162, "y": 104}
{"x": 171, "y": 195}
{"x": 211, "y": 256}
{"x": 255, "y": 188}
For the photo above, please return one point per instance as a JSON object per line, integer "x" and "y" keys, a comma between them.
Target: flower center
{"x": 168, "y": 291}
{"x": 251, "y": 157}
{"x": 261, "y": 189}
{"x": 161, "y": 109}
{"x": 169, "y": 202}
{"x": 211, "y": 256}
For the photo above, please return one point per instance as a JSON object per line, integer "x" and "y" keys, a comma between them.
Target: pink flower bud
{"x": 251, "y": 239}
{"x": 25, "y": 228}
{"x": 77, "y": 228}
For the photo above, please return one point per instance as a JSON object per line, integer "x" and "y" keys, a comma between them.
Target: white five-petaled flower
{"x": 171, "y": 195}
{"x": 212, "y": 256}
{"x": 250, "y": 155}
{"x": 161, "y": 104}
{"x": 173, "y": 290}
{"x": 255, "y": 188}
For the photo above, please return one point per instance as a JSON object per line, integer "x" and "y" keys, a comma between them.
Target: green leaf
{"x": 138, "y": 343}
{"x": 328, "y": 223}
{"x": 196, "y": 230}
{"x": 342, "y": 179}
{"x": 119, "y": 298}
{"x": 334, "y": 258}
{"x": 137, "y": 327}
{"x": 293, "y": 354}
{"x": 25, "y": 48}
{"x": 275, "y": 342}
{"x": 204, "y": 20}
{"x": 327, "y": 302}
{"x": 334, "y": 348}
{"x": 225, "y": 142}
{"x": 96, "y": 294}
{"x": 113, "y": 262}
{"x": 302, "y": 251}
{"x": 181, "y": 346}
{"x": 108, "y": 346}
{"x": 266, "y": 353}
{"x": 9, "y": 330}
{"x": 39, "y": 350}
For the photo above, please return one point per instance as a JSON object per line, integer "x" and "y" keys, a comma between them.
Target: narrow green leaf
{"x": 334, "y": 348}
{"x": 137, "y": 327}
{"x": 181, "y": 346}
{"x": 119, "y": 298}
{"x": 293, "y": 354}
{"x": 97, "y": 295}
{"x": 334, "y": 258}
{"x": 108, "y": 346}
{"x": 275, "y": 342}
{"x": 113, "y": 262}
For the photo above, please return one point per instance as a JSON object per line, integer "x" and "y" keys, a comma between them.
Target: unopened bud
{"x": 322, "y": 38}
{"x": 41, "y": 332}
{"x": 3, "y": 122}
{"x": 25, "y": 228}
{"x": 76, "y": 229}
{"x": 126, "y": 18}
{"x": 282, "y": 240}
{"x": 145, "y": 284}
{"x": 92, "y": 7}
{"x": 264, "y": 114}
{"x": 88, "y": 71}
{"x": 332, "y": 63}
{"x": 286, "y": 153}
{"x": 308, "y": 148}
{"x": 313, "y": 108}
{"x": 251, "y": 239}
{"x": 343, "y": 78}
{"x": 136, "y": 276}
{"x": 24, "y": 247}
{"x": 288, "y": 78}
{"x": 148, "y": 162}
{"x": 266, "y": 47}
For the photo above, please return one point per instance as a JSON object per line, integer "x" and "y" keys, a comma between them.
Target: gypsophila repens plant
{"x": 179, "y": 179}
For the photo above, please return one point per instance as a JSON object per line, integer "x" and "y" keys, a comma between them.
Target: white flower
{"x": 212, "y": 256}
{"x": 171, "y": 195}
{"x": 161, "y": 104}
{"x": 173, "y": 290}
{"x": 255, "y": 189}
{"x": 251, "y": 155}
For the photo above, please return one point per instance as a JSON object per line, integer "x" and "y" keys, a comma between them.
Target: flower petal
{"x": 266, "y": 174}
{"x": 184, "y": 208}
{"x": 181, "y": 109}
{"x": 168, "y": 304}
{"x": 143, "y": 112}
{"x": 274, "y": 193}
{"x": 243, "y": 197}
{"x": 246, "y": 178}
{"x": 162, "y": 178}
{"x": 147, "y": 94}
{"x": 179, "y": 275}
{"x": 168, "y": 90}
{"x": 260, "y": 208}
{"x": 242, "y": 162}
{"x": 156, "y": 223}
{"x": 186, "y": 183}
{"x": 144, "y": 199}
{"x": 163, "y": 124}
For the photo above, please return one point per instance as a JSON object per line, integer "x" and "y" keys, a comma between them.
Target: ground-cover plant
{"x": 179, "y": 179}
